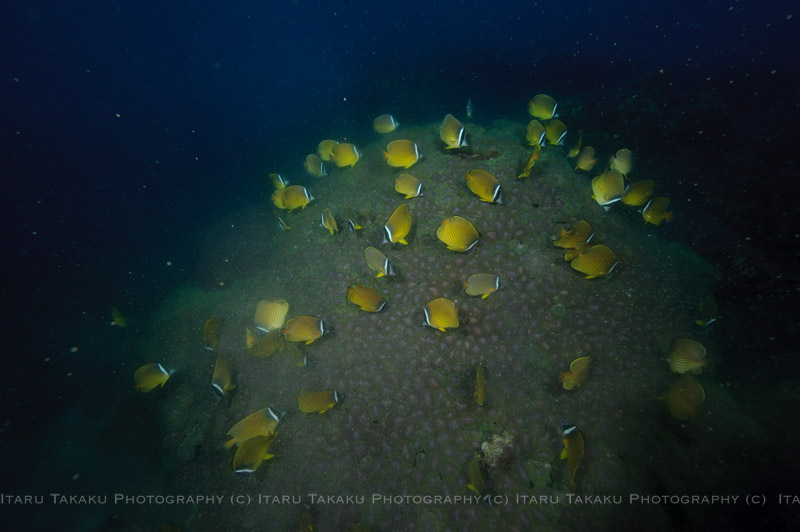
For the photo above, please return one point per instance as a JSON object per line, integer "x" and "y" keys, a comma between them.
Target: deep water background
{"x": 129, "y": 128}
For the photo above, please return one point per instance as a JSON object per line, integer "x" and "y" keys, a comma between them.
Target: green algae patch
{"x": 446, "y": 202}
{"x": 539, "y": 472}
{"x": 345, "y": 311}
{"x": 558, "y": 308}
{"x": 563, "y": 180}
{"x": 499, "y": 247}
{"x": 571, "y": 208}
{"x": 486, "y": 428}
{"x": 539, "y": 361}
{"x": 543, "y": 454}
{"x": 517, "y": 247}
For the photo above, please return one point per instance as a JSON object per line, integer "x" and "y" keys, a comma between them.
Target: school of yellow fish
{"x": 272, "y": 332}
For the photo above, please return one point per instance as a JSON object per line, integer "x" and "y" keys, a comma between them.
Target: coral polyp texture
{"x": 407, "y": 422}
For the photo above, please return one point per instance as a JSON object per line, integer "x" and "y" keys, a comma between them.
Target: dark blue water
{"x": 129, "y": 127}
